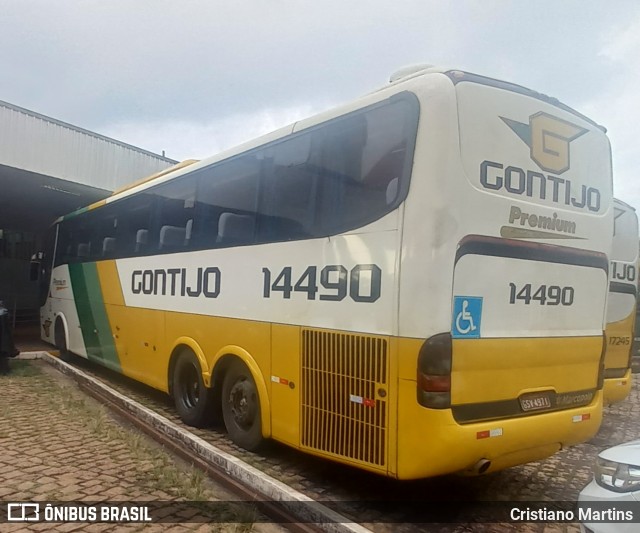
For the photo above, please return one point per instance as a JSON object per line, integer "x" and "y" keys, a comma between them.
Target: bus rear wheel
{"x": 192, "y": 398}
{"x": 241, "y": 407}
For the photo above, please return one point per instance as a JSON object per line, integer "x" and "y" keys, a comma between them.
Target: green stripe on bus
{"x": 75, "y": 213}
{"x": 92, "y": 314}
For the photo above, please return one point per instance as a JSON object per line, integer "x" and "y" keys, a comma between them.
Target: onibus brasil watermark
{"x": 68, "y": 512}
{"x": 418, "y": 511}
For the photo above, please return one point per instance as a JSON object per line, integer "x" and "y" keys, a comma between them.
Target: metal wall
{"x": 43, "y": 145}
{"x": 47, "y": 169}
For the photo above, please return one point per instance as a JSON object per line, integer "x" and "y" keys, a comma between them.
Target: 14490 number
{"x": 543, "y": 295}
{"x": 334, "y": 283}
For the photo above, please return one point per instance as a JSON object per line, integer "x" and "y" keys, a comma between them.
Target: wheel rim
{"x": 243, "y": 403}
{"x": 190, "y": 386}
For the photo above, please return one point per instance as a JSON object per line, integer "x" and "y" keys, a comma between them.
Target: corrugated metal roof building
{"x": 40, "y": 144}
{"x": 49, "y": 168}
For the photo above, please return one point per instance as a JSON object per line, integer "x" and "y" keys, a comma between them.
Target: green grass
{"x": 21, "y": 368}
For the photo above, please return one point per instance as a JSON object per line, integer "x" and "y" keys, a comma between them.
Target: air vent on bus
{"x": 344, "y": 386}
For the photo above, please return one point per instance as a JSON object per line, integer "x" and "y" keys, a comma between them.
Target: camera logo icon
{"x": 23, "y": 512}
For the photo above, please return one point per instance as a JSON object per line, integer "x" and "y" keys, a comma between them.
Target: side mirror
{"x": 34, "y": 266}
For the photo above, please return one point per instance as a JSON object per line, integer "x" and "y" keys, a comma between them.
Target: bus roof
{"x": 177, "y": 166}
{"x": 399, "y": 77}
{"x": 624, "y": 204}
{"x": 459, "y": 76}
{"x": 131, "y": 185}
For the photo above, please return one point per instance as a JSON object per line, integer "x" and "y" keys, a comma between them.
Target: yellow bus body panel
{"x": 431, "y": 442}
{"x": 617, "y": 389}
{"x": 503, "y": 369}
{"x": 619, "y": 337}
{"x": 146, "y": 338}
{"x": 420, "y": 442}
{"x": 285, "y": 384}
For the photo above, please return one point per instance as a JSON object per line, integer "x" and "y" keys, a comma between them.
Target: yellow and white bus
{"x": 413, "y": 283}
{"x": 621, "y": 304}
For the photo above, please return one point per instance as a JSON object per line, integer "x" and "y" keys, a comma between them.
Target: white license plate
{"x": 534, "y": 402}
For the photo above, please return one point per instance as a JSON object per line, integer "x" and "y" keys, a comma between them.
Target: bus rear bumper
{"x": 617, "y": 389}
{"x": 431, "y": 442}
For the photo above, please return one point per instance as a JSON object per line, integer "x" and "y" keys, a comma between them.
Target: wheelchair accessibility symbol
{"x": 467, "y": 315}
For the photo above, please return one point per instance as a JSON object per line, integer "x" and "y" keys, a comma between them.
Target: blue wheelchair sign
{"x": 467, "y": 317}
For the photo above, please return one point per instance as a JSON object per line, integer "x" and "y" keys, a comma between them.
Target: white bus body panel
{"x": 460, "y": 128}
{"x": 242, "y": 281}
{"x": 624, "y": 262}
{"x": 62, "y": 304}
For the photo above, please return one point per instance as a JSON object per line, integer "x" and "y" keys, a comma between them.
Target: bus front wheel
{"x": 193, "y": 399}
{"x": 60, "y": 340}
{"x": 241, "y": 407}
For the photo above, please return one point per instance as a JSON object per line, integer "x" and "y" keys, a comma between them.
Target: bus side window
{"x": 142, "y": 239}
{"x": 84, "y": 249}
{"x": 108, "y": 247}
{"x": 134, "y": 222}
{"x": 74, "y": 241}
{"x": 385, "y": 174}
{"x": 392, "y": 191}
{"x": 235, "y": 229}
{"x": 63, "y": 248}
{"x": 226, "y": 202}
{"x": 188, "y": 232}
{"x": 287, "y": 202}
{"x": 363, "y": 165}
{"x": 172, "y": 237}
{"x": 176, "y": 208}
{"x": 103, "y": 229}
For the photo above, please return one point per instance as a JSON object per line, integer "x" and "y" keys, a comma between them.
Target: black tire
{"x": 61, "y": 342}
{"x": 193, "y": 400}
{"x": 241, "y": 407}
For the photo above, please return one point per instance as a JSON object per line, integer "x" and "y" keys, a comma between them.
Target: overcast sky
{"x": 192, "y": 77}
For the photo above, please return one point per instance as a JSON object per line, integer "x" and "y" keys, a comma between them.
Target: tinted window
{"x": 227, "y": 200}
{"x": 332, "y": 178}
{"x": 136, "y": 234}
{"x": 338, "y": 176}
{"x": 74, "y": 241}
{"x": 363, "y": 161}
{"x": 287, "y": 202}
{"x": 176, "y": 202}
{"x": 104, "y": 230}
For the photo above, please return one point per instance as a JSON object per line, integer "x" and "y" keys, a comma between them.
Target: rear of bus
{"x": 504, "y": 275}
{"x": 621, "y": 305}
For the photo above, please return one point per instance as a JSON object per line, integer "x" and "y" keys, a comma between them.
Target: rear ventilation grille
{"x": 344, "y": 389}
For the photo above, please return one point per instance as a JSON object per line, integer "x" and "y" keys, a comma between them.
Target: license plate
{"x": 535, "y": 401}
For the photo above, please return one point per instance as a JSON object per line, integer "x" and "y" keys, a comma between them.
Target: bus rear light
{"x": 434, "y": 383}
{"x": 601, "y": 368}
{"x": 434, "y": 400}
{"x": 434, "y": 372}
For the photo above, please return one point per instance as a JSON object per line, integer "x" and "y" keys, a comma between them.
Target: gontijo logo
{"x": 548, "y": 139}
